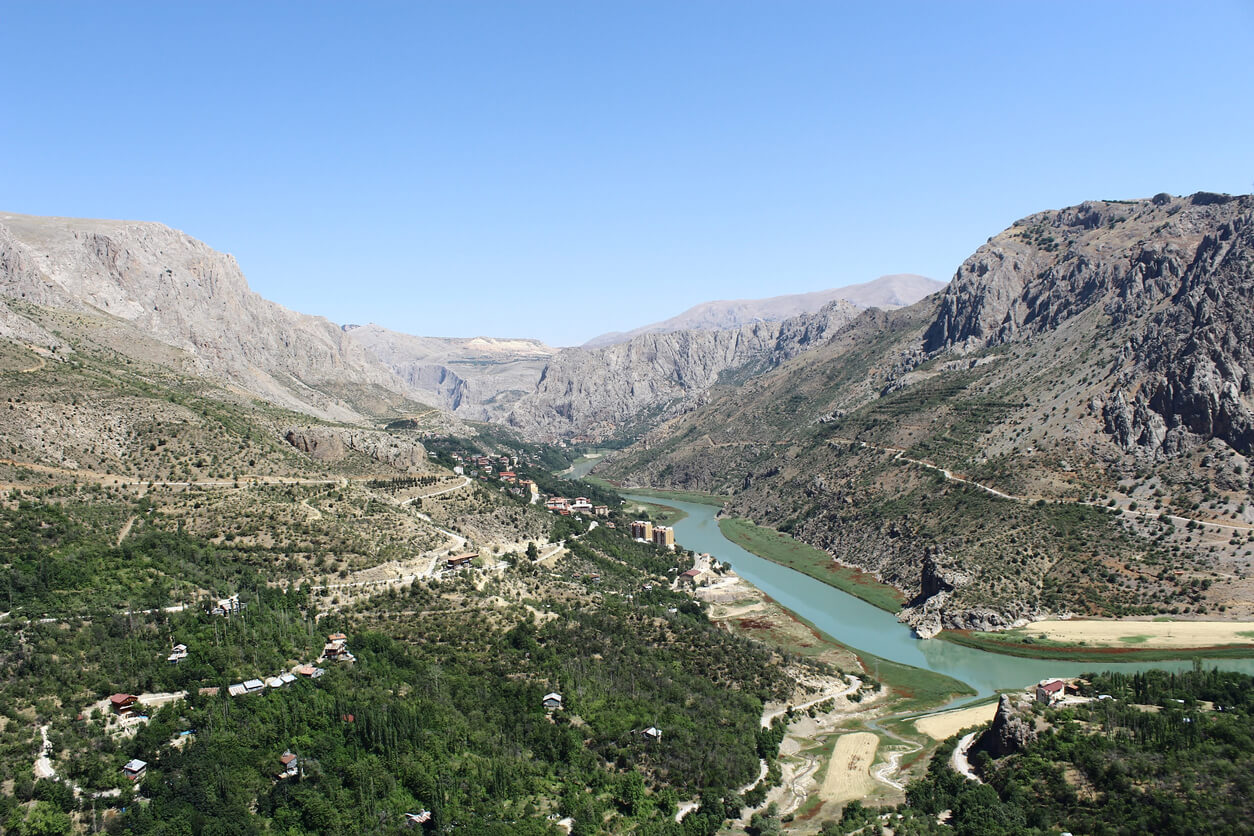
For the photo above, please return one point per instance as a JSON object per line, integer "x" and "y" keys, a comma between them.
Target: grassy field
{"x": 659, "y": 514}
{"x": 779, "y": 548}
{"x": 716, "y": 500}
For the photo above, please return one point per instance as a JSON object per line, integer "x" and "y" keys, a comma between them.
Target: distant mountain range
{"x": 479, "y": 378}
{"x": 887, "y": 292}
{"x": 151, "y": 293}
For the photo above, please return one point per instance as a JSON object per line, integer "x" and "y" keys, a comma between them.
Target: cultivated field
{"x": 945, "y": 725}
{"x": 849, "y": 772}
{"x": 1145, "y": 634}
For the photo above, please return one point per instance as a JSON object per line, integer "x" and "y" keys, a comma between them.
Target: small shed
{"x": 422, "y": 817}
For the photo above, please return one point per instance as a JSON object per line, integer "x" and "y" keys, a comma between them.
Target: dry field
{"x": 849, "y": 771}
{"x": 1145, "y": 634}
{"x": 946, "y": 724}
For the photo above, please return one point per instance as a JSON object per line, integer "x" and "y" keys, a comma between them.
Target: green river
{"x": 859, "y": 625}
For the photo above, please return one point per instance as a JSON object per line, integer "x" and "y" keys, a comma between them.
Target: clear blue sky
{"x": 558, "y": 170}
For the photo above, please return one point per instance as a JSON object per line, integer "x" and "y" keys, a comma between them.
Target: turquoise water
{"x": 860, "y": 625}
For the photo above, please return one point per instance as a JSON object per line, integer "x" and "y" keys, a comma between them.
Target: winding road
{"x": 900, "y": 455}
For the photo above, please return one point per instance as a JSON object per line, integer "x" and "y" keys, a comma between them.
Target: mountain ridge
{"x": 890, "y": 291}
{"x": 172, "y": 287}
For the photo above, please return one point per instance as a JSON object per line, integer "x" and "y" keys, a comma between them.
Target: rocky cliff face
{"x": 1175, "y": 275}
{"x": 331, "y": 444}
{"x": 1010, "y": 732}
{"x": 479, "y": 378}
{"x": 600, "y": 392}
{"x": 180, "y": 291}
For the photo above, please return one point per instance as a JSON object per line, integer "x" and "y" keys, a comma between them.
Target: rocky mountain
{"x": 479, "y": 378}
{"x": 62, "y": 278}
{"x": 614, "y": 390}
{"x": 1066, "y": 429}
{"x": 888, "y": 292}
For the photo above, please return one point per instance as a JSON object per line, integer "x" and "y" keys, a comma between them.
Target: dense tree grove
{"x": 1164, "y": 753}
{"x": 442, "y": 709}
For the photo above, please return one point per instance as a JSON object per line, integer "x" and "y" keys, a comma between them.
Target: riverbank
{"x": 1073, "y": 640}
{"x": 745, "y": 610}
{"x": 834, "y": 750}
{"x": 777, "y": 547}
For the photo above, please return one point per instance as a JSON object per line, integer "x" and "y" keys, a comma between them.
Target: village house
{"x": 693, "y": 577}
{"x": 290, "y": 764}
{"x": 123, "y": 704}
{"x": 558, "y": 503}
{"x": 552, "y": 701}
{"x": 309, "y": 671}
{"x": 457, "y": 560}
{"x": 1050, "y": 691}
{"x": 508, "y": 476}
{"x": 135, "y": 769}
{"x": 178, "y": 655}
{"x": 652, "y": 733}
{"x": 601, "y": 510}
{"x": 581, "y": 505}
{"x": 227, "y": 606}
{"x": 412, "y": 819}
{"x": 336, "y": 649}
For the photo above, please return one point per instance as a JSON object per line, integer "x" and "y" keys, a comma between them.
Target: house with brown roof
{"x": 123, "y": 703}
{"x": 693, "y": 577}
{"x": 1050, "y": 691}
{"x": 457, "y": 560}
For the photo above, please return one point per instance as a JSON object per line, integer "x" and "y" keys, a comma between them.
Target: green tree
{"x": 43, "y": 820}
